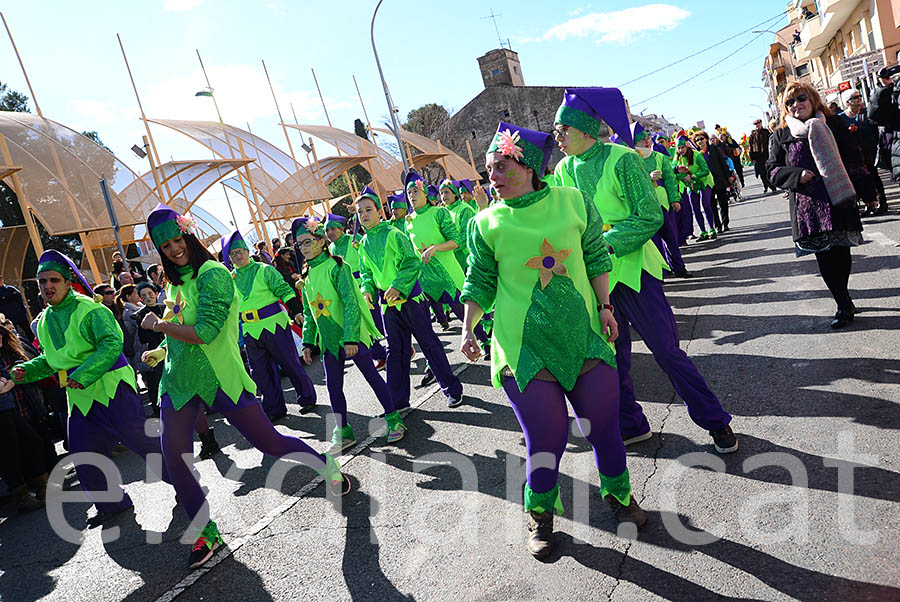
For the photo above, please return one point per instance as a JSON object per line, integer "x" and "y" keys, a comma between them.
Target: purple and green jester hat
{"x": 410, "y": 180}
{"x": 453, "y": 185}
{"x": 466, "y": 184}
{"x": 638, "y": 132}
{"x": 231, "y": 242}
{"x": 433, "y": 192}
{"x": 335, "y": 221}
{"x": 164, "y": 224}
{"x": 398, "y": 200}
{"x": 53, "y": 261}
{"x": 528, "y": 147}
{"x": 304, "y": 225}
{"x": 586, "y": 108}
{"x": 371, "y": 194}
{"x": 659, "y": 146}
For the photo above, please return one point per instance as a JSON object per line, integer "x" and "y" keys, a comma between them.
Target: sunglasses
{"x": 800, "y": 98}
{"x": 857, "y": 97}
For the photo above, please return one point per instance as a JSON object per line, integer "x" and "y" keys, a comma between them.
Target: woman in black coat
{"x": 824, "y": 217}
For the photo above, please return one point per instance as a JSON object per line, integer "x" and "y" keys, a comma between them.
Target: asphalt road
{"x": 806, "y": 509}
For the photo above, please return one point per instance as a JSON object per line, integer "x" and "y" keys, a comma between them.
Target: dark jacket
{"x": 718, "y": 167}
{"x": 866, "y": 135}
{"x": 759, "y": 144}
{"x": 885, "y": 111}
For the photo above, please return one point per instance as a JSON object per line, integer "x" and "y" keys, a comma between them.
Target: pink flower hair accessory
{"x": 185, "y": 223}
{"x": 508, "y": 144}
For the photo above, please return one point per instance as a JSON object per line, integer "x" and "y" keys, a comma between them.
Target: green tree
{"x": 427, "y": 119}
{"x": 10, "y": 100}
{"x": 95, "y": 137}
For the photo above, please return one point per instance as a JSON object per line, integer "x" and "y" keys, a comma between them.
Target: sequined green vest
{"x": 259, "y": 295}
{"x": 192, "y": 369}
{"x": 74, "y": 352}
{"x": 424, "y": 231}
{"x": 344, "y": 248}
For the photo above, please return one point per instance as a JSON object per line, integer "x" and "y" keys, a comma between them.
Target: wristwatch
{"x": 602, "y": 306}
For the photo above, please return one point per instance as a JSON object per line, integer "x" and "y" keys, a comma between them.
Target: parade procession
{"x": 273, "y": 329}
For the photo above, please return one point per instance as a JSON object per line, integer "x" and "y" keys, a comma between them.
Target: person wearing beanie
{"x": 613, "y": 177}
{"x": 81, "y": 343}
{"x": 203, "y": 368}
{"x": 399, "y": 211}
{"x": 390, "y": 271}
{"x": 538, "y": 257}
{"x": 339, "y": 323}
{"x": 261, "y": 290}
{"x": 693, "y": 172}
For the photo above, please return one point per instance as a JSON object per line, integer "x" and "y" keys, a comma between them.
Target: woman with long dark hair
{"x": 810, "y": 156}
{"x": 203, "y": 366}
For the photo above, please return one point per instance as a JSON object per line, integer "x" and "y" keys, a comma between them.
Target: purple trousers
{"x": 703, "y": 198}
{"x": 267, "y": 355}
{"x": 459, "y": 311}
{"x": 651, "y": 316}
{"x": 666, "y": 240}
{"x": 377, "y": 349}
{"x": 685, "y": 219}
{"x": 544, "y": 418}
{"x": 246, "y": 416}
{"x": 100, "y": 431}
{"x": 334, "y": 380}
{"x": 401, "y": 324}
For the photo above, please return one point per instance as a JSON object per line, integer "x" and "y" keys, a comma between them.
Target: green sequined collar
{"x": 318, "y": 259}
{"x": 377, "y": 227}
{"x": 528, "y": 199}
{"x": 237, "y": 269}
{"x": 592, "y": 152}
{"x": 68, "y": 300}
{"x": 424, "y": 209}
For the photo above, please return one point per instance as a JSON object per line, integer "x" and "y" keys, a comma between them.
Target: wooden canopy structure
{"x": 455, "y": 166}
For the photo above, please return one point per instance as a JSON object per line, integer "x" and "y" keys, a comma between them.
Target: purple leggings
{"x": 459, "y": 311}
{"x": 334, "y": 380}
{"x": 665, "y": 241}
{"x": 684, "y": 218}
{"x": 703, "y": 197}
{"x": 542, "y": 413}
{"x": 246, "y": 416}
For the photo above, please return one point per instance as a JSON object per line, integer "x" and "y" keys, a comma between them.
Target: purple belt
{"x": 121, "y": 362}
{"x": 255, "y": 315}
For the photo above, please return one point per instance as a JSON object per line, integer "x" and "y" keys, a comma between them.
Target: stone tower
{"x": 501, "y": 67}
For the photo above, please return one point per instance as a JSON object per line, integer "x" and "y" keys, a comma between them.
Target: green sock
{"x": 543, "y": 502}
{"x": 619, "y": 487}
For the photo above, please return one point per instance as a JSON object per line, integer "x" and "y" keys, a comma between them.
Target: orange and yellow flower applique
{"x": 175, "y": 309}
{"x": 549, "y": 262}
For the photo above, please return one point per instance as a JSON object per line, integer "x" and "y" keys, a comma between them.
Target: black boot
{"x": 540, "y": 533}
{"x": 209, "y": 447}
{"x": 632, "y": 513}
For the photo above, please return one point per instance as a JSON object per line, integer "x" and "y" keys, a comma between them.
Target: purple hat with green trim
{"x": 586, "y": 108}
{"x": 659, "y": 146}
{"x": 334, "y": 221}
{"x": 432, "y": 191}
{"x": 164, "y": 224}
{"x": 467, "y": 185}
{"x": 231, "y": 242}
{"x": 451, "y": 184}
{"x": 371, "y": 194}
{"x": 638, "y": 132}
{"x": 410, "y": 179}
{"x": 529, "y": 147}
{"x": 398, "y": 200}
{"x": 53, "y": 261}
{"x": 304, "y": 225}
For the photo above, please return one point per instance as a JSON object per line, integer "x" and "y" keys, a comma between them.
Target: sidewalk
{"x": 754, "y": 319}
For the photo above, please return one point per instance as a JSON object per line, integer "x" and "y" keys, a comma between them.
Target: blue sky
{"x": 428, "y": 51}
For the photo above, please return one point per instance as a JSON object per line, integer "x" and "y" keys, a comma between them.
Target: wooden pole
{"x": 85, "y": 245}
{"x": 471, "y": 159}
{"x": 23, "y": 203}
{"x": 151, "y": 149}
{"x": 443, "y": 159}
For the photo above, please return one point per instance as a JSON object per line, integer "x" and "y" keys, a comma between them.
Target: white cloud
{"x": 274, "y": 7}
{"x": 181, "y": 5}
{"x": 621, "y": 26}
{"x": 578, "y": 11}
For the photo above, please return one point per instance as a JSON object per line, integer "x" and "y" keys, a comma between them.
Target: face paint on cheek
{"x": 576, "y": 138}
{"x": 513, "y": 178}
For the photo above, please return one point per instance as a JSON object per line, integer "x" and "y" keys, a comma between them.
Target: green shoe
{"x": 395, "y": 426}
{"x": 341, "y": 439}
{"x": 205, "y": 546}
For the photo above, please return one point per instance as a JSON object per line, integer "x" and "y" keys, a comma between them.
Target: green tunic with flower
{"x": 335, "y": 311}
{"x": 462, "y": 213}
{"x": 82, "y": 334}
{"x": 259, "y": 285}
{"x": 532, "y": 259}
{"x": 387, "y": 259}
{"x": 614, "y": 178}
{"x": 343, "y": 248}
{"x": 443, "y": 273}
{"x": 208, "y": 303}
{"x": 702, "y": 177}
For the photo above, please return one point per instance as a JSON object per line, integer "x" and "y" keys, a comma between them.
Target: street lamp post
{"x": 387, "y": 93}
{"x": 788, "y": 46}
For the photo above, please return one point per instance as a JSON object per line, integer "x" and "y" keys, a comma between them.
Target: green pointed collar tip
{"x": 578, "y": 119}
{"x": 543, "y": 502}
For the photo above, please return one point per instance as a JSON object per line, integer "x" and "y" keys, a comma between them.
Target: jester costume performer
{"x": 467, "y": 194}
{"x": 399, "y": 210}
{"x": 693, "y": 173}
{"x": 346, "y": 247}
{"x": 613, "y": 177}
{"x": 390, "y": 272}
{"x": 267, "y": 334}
{"x": 540, "y": 259}
{"x": 203, "y": 367}
{"x": 462, "y": 213}
{"x": 82, "y": 344}
{"x": 337, "y": 318}
{"x": 666, "y": 188}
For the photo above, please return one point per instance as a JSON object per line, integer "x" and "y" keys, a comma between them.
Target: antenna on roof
{"x": 493, "y": 17}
